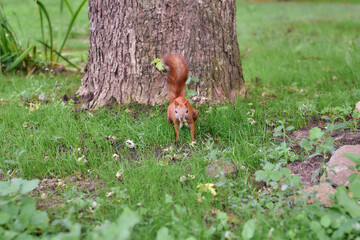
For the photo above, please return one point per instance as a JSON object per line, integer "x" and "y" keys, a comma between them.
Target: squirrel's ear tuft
{"x": 176, "y": 103}
{"x": 186, "y": 102}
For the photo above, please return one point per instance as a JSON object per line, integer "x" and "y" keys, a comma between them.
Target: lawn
{"x": 300, "y": 60}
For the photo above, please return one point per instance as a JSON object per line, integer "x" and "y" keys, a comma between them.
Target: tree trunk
{"x": 127, "y": 35}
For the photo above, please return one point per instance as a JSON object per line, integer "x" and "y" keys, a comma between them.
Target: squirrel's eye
{"x": 187, "y": 111}
{"x": 175, "y": 111}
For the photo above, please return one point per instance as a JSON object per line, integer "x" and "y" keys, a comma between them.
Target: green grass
{"x": 25, "y": 19}
{"x": 293, "y": 54}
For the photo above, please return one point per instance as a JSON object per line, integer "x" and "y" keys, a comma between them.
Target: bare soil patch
{"x": 49, "y": 191}
{"x": 306, "y": 168}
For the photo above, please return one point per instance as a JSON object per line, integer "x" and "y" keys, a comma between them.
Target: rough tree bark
{"x": 126, "y": 35}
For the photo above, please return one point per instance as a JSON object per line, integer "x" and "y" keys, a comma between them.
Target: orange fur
{"x": 180, "y": 110}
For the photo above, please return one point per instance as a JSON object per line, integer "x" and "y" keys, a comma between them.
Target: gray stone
{"x": 322, "y": 193}
{"x": 357, "y": 106}
{"x": 337, "y": 170}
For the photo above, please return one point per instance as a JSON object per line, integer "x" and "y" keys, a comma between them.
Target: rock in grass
{"x": 322, "y": 193}
{"x": 357, "y": 106}
{"x": 221, "y": 167}
{"x": 338, "y": 166}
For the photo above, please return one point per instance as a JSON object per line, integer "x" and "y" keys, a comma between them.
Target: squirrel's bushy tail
{"x": 179, "y": 71}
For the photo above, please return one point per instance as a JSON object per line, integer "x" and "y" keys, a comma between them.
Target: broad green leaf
{"x": 340, "y": 232}
{"x": 355, "y": 114}
{"x": 195, "y": 79}
{"x": 24, "y": 236}
{"x": 318, "y": 230}
{"x": 222, "y": 217}
{"x": 330, "y": 127}
{"x": 276, "y": 134}
{"x": 249, "y": 229}
{"x": 306, "y": 144}
{"x": 163, "y": 234}
{"x": 10, "y": 187}
{"x": 12, "y": 210}
{"x": 4, "y": 217}
{"x": 28, "y": 186}
{"x": 353, "y": 176}
{"x": 293, "y": 180}
{"x": 160, "y": 66}
{"x": 290, "y": 128}
{"x": 156, "y": 60}
{"x": 284, "y": 170}
{"x": 4, "y": 188}
{"x": 279, "y": 128}
{"x": 325, "y": 221}
{"x": 26, "y": 212}
{"x": 268, "y": 166}
{"x": 355, "y": 187}
{"x": 269, "y": 205}
{"x": 188, "y": 80}
{"x": 40, "y": 219}
{"x": 275, "y": 176}
{"x": 353, "y": 157}
{"x": 121, "y": 229}
{"x": 326, "y": 146}
{"x": 350, "y": 205}
{"x": 10, "y": 234}
{"x": 260, "y": 175}
{"x": 315, "y": 133}
{"x": 191, "y": 92}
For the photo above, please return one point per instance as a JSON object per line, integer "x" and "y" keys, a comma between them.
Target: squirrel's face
{"x": 181, "y": 112}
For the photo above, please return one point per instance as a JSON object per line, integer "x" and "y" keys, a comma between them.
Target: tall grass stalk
{"x": 69, "y": 7}
{"x": 50, "y": 46}
{"x": 11, "y": 53}
{"x": 43, "y": 10}
{"x": 71, "y": 25}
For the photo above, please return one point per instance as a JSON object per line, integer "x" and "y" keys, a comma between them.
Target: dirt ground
{"x": 49, "y": 189}
{"x": 306, "y": 168}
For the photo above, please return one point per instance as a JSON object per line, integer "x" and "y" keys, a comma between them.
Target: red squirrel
{"x": 180, "y": 110}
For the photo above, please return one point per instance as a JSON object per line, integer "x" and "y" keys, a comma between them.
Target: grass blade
{"x": 42, "y": 33}
{"x": 60, "y": 32}
{"x": 69, "y": 7}
{"x": 71, "y": 24}
{"x": 7, "y": 57}
{"x": 61, "y": 56}
{"x": 43, "y": 9}
{"x": 12, "y": 38}
{"x": 19, "y": 59}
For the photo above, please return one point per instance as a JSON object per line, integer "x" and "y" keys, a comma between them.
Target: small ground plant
{"x": 317, "y": 140}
